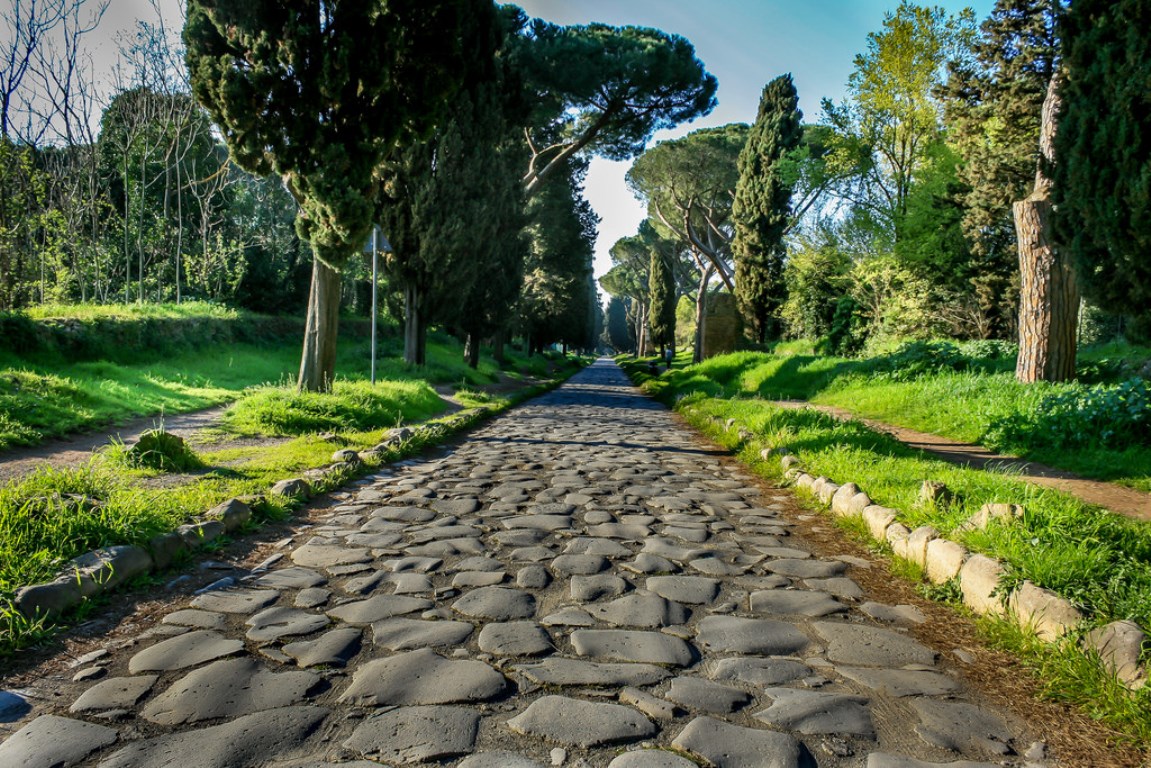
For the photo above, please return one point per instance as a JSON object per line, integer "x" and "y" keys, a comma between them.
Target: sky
{"x": 744, "y": 43}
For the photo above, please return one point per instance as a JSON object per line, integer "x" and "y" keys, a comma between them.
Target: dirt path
{"x": 1117, "y": 498}
{"x": 78, "y": 449}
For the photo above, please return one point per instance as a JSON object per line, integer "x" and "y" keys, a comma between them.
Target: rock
{"x": 533, "y": 577}
{"x": 363, "y": 612}
{"x": 692, "y": 590}
{"x": 326, "y": 554}
{"x": 422, "y": 677}
{"x": 165, "y": 548}
{"x": 496, "y": 604}
{"x": 227, "y": 688}
{"x": 416, "y": 734}
{"x": 1047, "y": 614}
{"x": 642, "y": 609}
{"x": 234, "y": 514}
{"x": 54, "y": 742}
{"x": 295, "y": 488}
{"x": 917, "y": 542}
{"x": 733, "y": 746}
{"x": 935, "y": 494}
{"x": 816, "y": 712}
{"x": 196, "y": 535}
{"x": 806, "y": 569}
{"x": 881, "y": 760}
{"x": 49, "y": 600}
{"x": 705, "y": 696}
{"x": 578, "y": 565}
{"x": 650, "y": 758}
{"x": 871, "y": 647}
{"x": 104, "y": 569}
{"x": 576, "y": 672}
{"x": 1119, "y": 645}
{"x": 331, "y": 649}
{"x": 839, "y": 586}
{"x": 236, "y": 600}
{"x": 652, "y": 706}
{"x": 184, "y": 651}
{"x": 399, "y": 634}
{"x": 961, "y": 727}
{"x": 761, "y": 673}
{"x": 246, "y": 742}
{"x": 498, "y": 759}
{"x": 516, "y": 638}
{"x": 580, "y": 723}
{"x": 114, "y": 693}
{"x": 979, "y": 579}
{"x": 796, "y": 602}
{"x": 1003, "y": 513}
{"x": 588, "y": 589}
{"x": 944, "y": 560}
{"x": 840, "y": 500}
{"x": 732, "y": 634}
{"x": 877, "y": 519}
{"x": 274, "y": 623}
{"x": 632, "y": 646}
{"x": 902, "y": 682}
{"x": 293, "y": 577}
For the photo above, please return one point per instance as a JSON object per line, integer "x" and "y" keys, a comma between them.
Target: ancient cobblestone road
{"x": 579, "y": 582}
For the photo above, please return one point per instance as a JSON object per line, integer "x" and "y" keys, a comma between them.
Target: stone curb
{"x": 102, "y": 570}
{"x": 981, "y": 579}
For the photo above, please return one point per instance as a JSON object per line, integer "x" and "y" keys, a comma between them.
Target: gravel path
{"x": 580, "y": 582}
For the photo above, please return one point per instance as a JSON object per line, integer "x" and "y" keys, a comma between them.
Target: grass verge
{"x": 1100, "y": 561}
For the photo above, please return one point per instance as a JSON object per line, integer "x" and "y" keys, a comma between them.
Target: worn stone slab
{"x": 416, "y": 734}
{"x": 228, "y": 688}
{"x": 331, "y": 649}
{"x": 50, "y": 741}
{"x": 114, "y": 693}
{"x": 642, "y": 609}
{"x": 496, "y": 604}
{"x": 579, "y": 565}
{"x": 691, "y": 590}
{"x": 569, "y": 617}
{"x": 547, "y": 523}
{"x": 271, "y": 624}
{"x": 184, "y": 651}
{"x": 883, "y": 760}
{"x": 515, "y": 638}
{"x": 293, "y": 577}
{"x": 650, "y": 758}
{"x": 733, "y": 634}
{"x": 402, "y": 634}
{"x": 806, "y": 569}
{"x": 587, "y": 589}
{"x": 902, "y": 682}
{"x": 647, "y": 563}
{"x": 581, "y": 723}
{"x": 758, "y": 672}
{"x": 318, "y": 554}
{"x": 192, "y": 617}
{"x": 584, "y": 545}
{"x": 694, "y": 693}
{"x": 944, "y": 560}
{"x": 577, "y": 672}
{"x": 1047, "y": 614}
{"x": 795, "y": 602}
{"x": 652, "y": 706}
{"x": 422, "y": 677}
{"x": 901, "y": 615}
{"x": 732, "y": 746}
{"x": 961, "y": 727}
{"x": 817, "y": 712}
{"x": 860, "y": 646}
{"x": 498, "y": 759}
{"x": 632, "y": 646}
{"x": 533, "y": 577}
{"x": 236, "y": 600}
{"x": 377, "y": 608}
{"x": 246, "y": 742}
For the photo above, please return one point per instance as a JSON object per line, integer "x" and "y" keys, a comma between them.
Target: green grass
{"x": 1100, "y": 561}
{"x": 134, "y": 311}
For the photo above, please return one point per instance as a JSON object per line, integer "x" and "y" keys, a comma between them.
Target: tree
{"x": 605, "y": 90}
{"x": 619, "y": 330}
{"x": 1102, "y": 173}
{"x": 992, "y": 104}
{"x": 761, "y": 210}
{"x": 321, "y": 92}
{"x": 891, "y": 118}
{"x": 661, "y": 278}
{"x": 1049, "y": 290}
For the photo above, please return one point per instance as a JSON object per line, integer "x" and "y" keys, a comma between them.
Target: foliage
{"x": 1102, "y": 173}
{"x": 816, "y": 276}
{"x": 761, "y": 208}
{"x": 662, "y": 315}
{"x": 156, "y": 449}
{"x": 895, "y": 301}
{"x": 619, "y": 330}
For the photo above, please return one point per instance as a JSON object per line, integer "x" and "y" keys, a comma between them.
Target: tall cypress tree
{"x": 661, "y": 279}
{"x": 762, "y": 206}
{"x": 321, "y": 92}
{"x": 1102, "y": 174}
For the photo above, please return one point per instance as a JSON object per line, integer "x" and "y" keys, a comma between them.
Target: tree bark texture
{"x": 472, "y": 351}
{"x": 318, "y": 364}
{"x": 1049, "y": 290}
{"x": 414, "y": 347}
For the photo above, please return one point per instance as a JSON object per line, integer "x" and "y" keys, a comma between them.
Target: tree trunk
{"x": 472, "y": 351}
{"x": 498, "y": 343}
{"x": 318, "y": 365}
{"x": 414, "y": 347}
{"x": 700, "y": 314}
{"x": 1049, "y": 290}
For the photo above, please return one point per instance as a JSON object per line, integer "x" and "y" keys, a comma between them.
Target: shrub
{"x": 157, "y": 449}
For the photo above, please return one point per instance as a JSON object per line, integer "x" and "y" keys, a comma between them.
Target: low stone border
{"x": 103, "y": 570}
{"x": 1118, "y": 645}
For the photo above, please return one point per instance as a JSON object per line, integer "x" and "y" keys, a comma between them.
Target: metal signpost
{"x": 376, "y": 243}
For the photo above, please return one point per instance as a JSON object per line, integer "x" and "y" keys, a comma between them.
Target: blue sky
{"x": 744, "y": 43}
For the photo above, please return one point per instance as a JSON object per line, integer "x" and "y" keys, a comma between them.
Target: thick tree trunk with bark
{"x": 472, "y": 351}
{"x": 700, "y": 314}
{"x": 498, "y": 343}
{"x": 1049, "y": 290}
{"x": 318, "y": 364}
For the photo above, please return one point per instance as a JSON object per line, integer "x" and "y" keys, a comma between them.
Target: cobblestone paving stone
{"x": 579, "y": 582}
